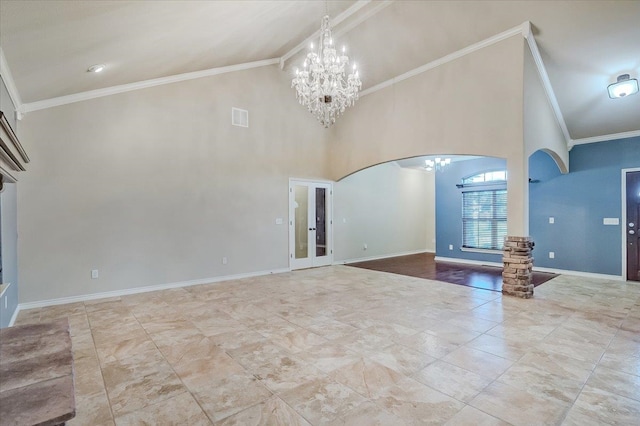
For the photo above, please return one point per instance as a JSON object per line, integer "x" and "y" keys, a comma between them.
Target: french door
{"x": 310, "y": 224}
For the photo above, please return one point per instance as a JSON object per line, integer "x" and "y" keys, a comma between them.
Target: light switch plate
{"x": 279, "y": 221}
{"x": 552, "y": 220}
{"x": 611, "y": 221}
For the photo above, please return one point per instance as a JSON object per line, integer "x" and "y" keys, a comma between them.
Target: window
{"x": 487, "y": 177}
{"x": 484, "y": 212}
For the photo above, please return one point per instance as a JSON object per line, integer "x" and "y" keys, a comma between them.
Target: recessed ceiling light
{"x": 625, "y": 86}
{"x": 96, "y": 68}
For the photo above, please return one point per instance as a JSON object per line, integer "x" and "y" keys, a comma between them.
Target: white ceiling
{"x": 49, "y": 44}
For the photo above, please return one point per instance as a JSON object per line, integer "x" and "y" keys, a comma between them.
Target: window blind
{"x": 484, "y": 219}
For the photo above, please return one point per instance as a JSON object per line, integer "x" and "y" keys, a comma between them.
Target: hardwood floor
{"x": 423, "y": 265}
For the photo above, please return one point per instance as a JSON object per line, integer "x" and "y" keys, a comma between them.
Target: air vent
{"x": 239, "y": 117}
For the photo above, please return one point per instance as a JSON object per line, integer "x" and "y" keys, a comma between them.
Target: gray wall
{"x": 541, "y": 128}
{"x": 9, "y": 236}
{"x": 8, "y": 218}
{"x": 155, "y": 186}
{"x": 389, "y": 208}
{"x": 472, "y": 105}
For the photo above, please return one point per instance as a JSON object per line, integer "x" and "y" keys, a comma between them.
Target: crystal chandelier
{"x": 321, "y": 85}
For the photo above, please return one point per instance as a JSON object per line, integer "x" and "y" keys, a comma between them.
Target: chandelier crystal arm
{"x": 323, "y": 85}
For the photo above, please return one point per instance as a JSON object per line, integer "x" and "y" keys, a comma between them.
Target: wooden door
{"x": 633, "y": 226}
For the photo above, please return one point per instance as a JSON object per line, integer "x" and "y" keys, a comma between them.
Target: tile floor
{"x": 349, "y": 346}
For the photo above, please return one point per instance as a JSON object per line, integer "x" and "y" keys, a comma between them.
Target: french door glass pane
{"x": 301, "y": 193}
{"x": 321, "y": 224}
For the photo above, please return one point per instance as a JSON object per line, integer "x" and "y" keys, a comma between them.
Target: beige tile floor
{"x": 348, "y": 346}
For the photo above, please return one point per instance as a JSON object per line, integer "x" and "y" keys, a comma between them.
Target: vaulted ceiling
{"x": 585, "y": 45}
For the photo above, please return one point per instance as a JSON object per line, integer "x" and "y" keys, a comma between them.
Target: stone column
{"x": 518, "y": 265}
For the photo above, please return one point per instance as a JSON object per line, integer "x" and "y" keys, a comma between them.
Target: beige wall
{"x": 389, "y": 208}
{"x": 541, "y": 128}
{"x": 472, "y": 105}
{"x": 155, "y": 186}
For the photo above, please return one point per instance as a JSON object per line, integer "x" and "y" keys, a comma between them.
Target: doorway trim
{"x": 623, "y": 224}
{"x": 291, "y": 233}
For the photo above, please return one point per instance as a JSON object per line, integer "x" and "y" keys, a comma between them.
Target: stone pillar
{"x": 518, "y": 265}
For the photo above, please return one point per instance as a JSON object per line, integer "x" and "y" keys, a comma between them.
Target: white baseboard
{"x": 467, "y": 261}
{"x": 383, "y": 256}
{"x": 535, "y": 268}
{"x": 579, "y": 273}
{"x": 137, "y": 290}
{"x": 14, "y": 316}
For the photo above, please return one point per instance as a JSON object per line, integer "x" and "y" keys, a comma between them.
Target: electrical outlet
{"x": 225, "y": 260}
{"x": 365, "y": 246}
{"x": 279, "y": 221}
{"x": 552, "y": 220}
{"x": 552, "y": 255}
{"x": 94, "y": 274}
{"x": 450, "y": 246}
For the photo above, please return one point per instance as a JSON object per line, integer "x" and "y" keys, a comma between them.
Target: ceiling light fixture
{"x": 96, "y": 68}
{"x": 321, "y": 84}
{"x": 438, "y": 164}
{"x": 625, "y": 86}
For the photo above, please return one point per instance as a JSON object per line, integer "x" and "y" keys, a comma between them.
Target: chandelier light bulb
{"x": 311, "y": 46}
{"x": 344, "y": 49}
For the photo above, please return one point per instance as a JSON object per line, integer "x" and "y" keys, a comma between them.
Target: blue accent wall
{"x": 578, "y": 201}
{"x": 449, "y": 207}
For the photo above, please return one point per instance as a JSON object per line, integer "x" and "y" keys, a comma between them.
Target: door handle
{"x": 631, "y": 231}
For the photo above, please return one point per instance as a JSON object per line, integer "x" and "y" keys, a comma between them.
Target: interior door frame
{"x": 329, "y": 219}
{"x": 624, "y": 219}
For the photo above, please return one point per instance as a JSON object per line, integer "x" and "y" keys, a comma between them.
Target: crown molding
{"x": 546, "y": 83}
{"x": 603, "y": 138}
{"x": 525, "y": 30}
{"x": 7, "y": 78}
{"x": 520, "y": 29}
{"x": 108, "y": 91}
{"x": 337, "y": 21}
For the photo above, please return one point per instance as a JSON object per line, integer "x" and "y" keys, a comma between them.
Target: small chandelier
{"x": 321, "y": 85}
{"x": 439, "y": 164}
